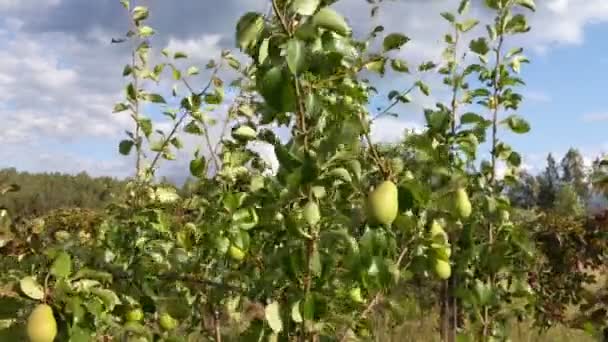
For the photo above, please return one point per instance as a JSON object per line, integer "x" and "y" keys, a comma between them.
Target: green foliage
{"x": 245, "y": 254}
{"x": 41, "y": 193}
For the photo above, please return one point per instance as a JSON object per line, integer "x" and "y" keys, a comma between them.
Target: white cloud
{"x": 595, "y": 117}
{"x": 390, "y": 129}
{"x": 537, "y": 96}
{"x": 564, "y": 21}
{"x": 12, "y": 5}
{"x": 57, "y": 87}
{"x": 201, "y": 49}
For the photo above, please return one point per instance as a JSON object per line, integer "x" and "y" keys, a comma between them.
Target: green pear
{"x": 462, "y": 203}
{"x": 236, "y": 253}
{"x": 383, "y": 203}
{"x": 135, "y": 315}
{"x": 437, "y": 232}
{"x": 311, "y": 213}
{"x": 443, "y": 269}
{"x": 167, "y": 322}
{"x": 355, "y": 295}
{"x": 41, "y": 325}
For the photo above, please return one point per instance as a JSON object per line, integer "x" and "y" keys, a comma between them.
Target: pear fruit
{"x": 355, "y": 295}
{"x": 41, "y": 325}
{"x": 437, "y": 232}
{"x": 167, "y": 322}
{"x": 236, "y": 253}
{"x": 311, "y": 213}
{"x": 462, "y": 203}
{"x": 135, "y": 315}
{"x": 442, "y": 269}
{"x": 383, "y": 203}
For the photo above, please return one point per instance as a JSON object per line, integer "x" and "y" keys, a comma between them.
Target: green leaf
{"x": 140, "y": 13}
{"x": 426, "y": 66}
{"x": 517, "y": 124}
{"x": 471, "y": 118}
{"x": 464, "y": 6}
{"x": 423, "y": 88}
{"x": 483, "y": 292}
{"x": 342, "y": 174}
{"x": 146, "y": 31}
{"x": 198, "y": 167}
{"x": 331, "y": 20}
{"x": 479, "y": 46}
{"x": 177, "y": 75}
{"x": 193, "y": 128}
{"x": 306, "y": 7}
{"x": 127, "y": 70}
{"x": 120, "y": 107}
{"x": 179, "y": 55}
{"x": 529, "y": 4}
{"x": 296, "y": 55}
{"x": 62, "y": 265}
{"x": 514, "y": 159}
{"x": 145, "y": 124}
{"x": 394, "y": 41}
{"x": 131, "y": 92}
{"x": 517, "y": 24}
{"x": 468, "y": 25}
{"x": 248, "y": 29}
{"x": 125, "y": 147}
{"x": 30, "y": 287}
{"x": 448, "y": 16}
{"x": 514, "y": 51}
{"x": 376, "y": 65}
{"x": 175, "y": 141}
{"x": 192, "y": 71}
{"x": 516, "y": 63}
{"x": 108, "y": 297}
{"x": 154, "y": 98}
{"x": 263, "y": 53}
{"x": 399, "y": 65}
{"x": 79, "y": 334}
{"x": 273, "y": 317}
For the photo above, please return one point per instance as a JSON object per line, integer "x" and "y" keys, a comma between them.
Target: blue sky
{"x": 59, "y": 76}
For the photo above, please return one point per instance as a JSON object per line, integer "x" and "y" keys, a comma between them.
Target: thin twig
{"x": 394, "y": 103}
{"x": 205, "y": 126}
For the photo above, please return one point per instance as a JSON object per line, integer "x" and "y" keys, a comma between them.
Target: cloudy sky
{"x": 60, "y": 76}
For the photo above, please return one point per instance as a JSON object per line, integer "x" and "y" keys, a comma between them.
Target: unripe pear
{"x": 135, "y": 315}
{"x": 383, "y": 203}
{"x": 443, "y": 269}
{"x": 462, "y": 203}
{"x": 311, "y": 213}
{"x": 236, "y": 253}
{"x": 438, "y": 232}
{"x": 41, "y": 325}
{"x": 167, "y": 322}
{"x": 355, "y": 295}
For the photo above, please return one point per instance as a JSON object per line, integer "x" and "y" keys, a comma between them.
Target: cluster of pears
{"x": 41, "y": 324}
{"x": 441, "y": 251}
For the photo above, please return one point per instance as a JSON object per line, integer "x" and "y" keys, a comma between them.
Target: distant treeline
{"x": 43, "y": 192}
